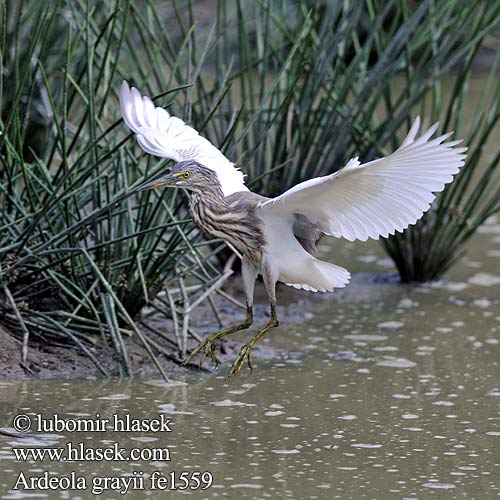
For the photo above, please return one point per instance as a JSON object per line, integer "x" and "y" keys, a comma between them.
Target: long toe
{"x": 245, "y": 354}
{"x": 213, "y": 356}
{"x": 205, "y": 347}
{"x": 204, "y": 354}
{"x": 193, "y": 354}
{"x": 249, "y": 360}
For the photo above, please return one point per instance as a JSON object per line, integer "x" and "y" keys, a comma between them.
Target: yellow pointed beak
{"x": 166, "y": 180}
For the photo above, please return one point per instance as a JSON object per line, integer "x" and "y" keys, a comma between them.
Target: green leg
{"x": 246, "y": 350}
{"x": 208, "y": 345}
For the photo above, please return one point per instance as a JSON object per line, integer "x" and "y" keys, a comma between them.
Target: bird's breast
{"x": 236, "y": 226}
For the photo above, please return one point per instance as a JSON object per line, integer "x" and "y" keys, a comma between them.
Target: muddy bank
{"x": 49, "y": 361}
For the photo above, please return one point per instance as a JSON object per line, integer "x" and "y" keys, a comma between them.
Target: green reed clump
{"x": 79, "y": 257}
{"x": 325, "y": 81}
{"x": 427, "y": 250}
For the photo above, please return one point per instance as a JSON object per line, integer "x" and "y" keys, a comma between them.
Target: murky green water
{"x": 393, "y": 391}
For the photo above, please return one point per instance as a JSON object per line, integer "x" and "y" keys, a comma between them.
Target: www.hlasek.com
{"x": 82, "y": 452}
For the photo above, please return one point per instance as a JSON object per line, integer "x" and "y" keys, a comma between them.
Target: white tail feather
{"x": 324, "y": 277}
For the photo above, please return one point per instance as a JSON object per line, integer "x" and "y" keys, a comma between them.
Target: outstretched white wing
{"x": 163, "y": 135}
{"x": 379, "y": 197}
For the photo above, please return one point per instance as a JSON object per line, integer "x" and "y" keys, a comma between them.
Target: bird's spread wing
{"x": 379, "y": 197}
{"x": 163, "y": 135}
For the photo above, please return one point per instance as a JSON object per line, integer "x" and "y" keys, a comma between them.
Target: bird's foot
{"x": 205, "y": 347}
{"x": 245, "y": 354}
{"x": 208, "y": 345}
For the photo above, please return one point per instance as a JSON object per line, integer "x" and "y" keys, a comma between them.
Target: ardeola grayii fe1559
{"x": 277, "y": 236}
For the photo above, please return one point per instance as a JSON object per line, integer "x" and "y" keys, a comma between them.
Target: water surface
{"x": 391, "y": 390}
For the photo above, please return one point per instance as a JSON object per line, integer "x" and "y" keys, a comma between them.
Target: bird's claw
{"x": 245, "y": 353}
{"x": 206, "y": 347}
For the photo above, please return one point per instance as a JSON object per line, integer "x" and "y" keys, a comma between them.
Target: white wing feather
{"x": 166, "y": 136}
{"x": 379, "y": 197}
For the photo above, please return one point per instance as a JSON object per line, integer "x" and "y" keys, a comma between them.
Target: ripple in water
{"x": 441, "y": 486}
{"x": 229, "y": 402}
{"x": 393, "y": 362}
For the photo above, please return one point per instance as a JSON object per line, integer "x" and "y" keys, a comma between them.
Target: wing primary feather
{"x": 412, "y": 133}
{"x": 380, "y": 197}
{"x": 167, "y": 136}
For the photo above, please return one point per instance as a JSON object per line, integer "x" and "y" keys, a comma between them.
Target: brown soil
{"x": 45, "y": 361}
{"x": 49, "y": 361}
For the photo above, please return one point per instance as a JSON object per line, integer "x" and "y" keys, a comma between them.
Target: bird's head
{"x": 185, "y": 174}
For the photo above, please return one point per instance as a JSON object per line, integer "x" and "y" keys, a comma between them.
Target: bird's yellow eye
{"x": 185, "y": 175}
